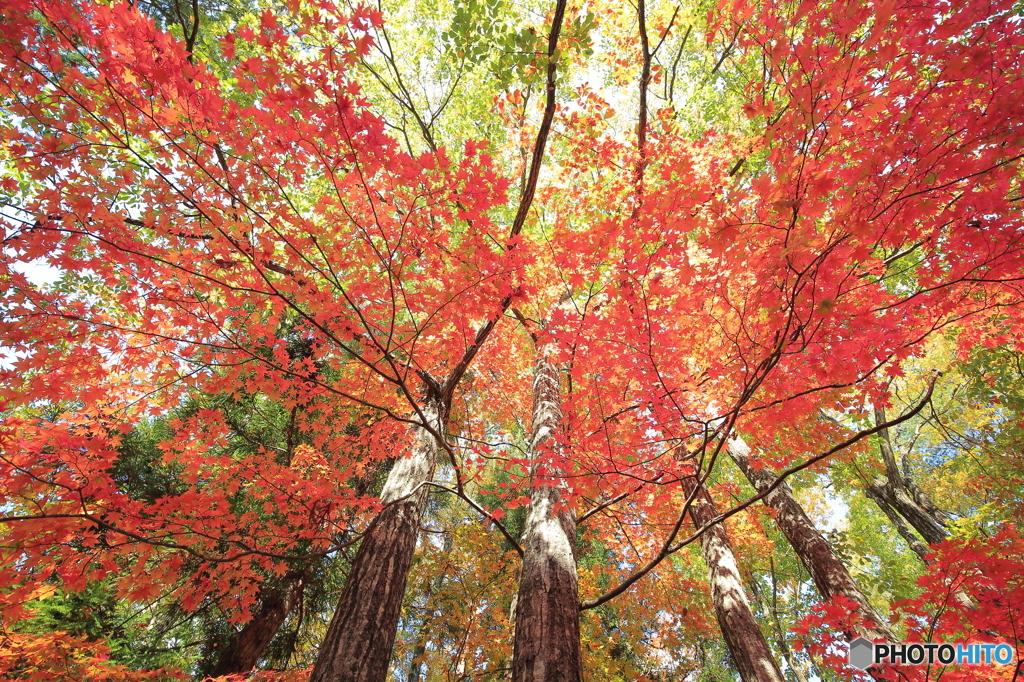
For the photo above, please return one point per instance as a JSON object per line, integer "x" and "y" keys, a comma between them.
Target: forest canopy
{"x": 561, "y": 340}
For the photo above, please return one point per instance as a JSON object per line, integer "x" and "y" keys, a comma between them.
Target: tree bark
{"x": 902, "y": 501}
{"x": 779, "y": 634}
{"x": 896, "y": 497}
{"x": 359, "y": 641}
{"x": 547, "y": 635}
{"x": 903, "y": 496}
{"x": 248, "y": 646}
{"x": 913, "y": 541}
{"x": 827, "y": 570}
{"x": 746, "y": 642}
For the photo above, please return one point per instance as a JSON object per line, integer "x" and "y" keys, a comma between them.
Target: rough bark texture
{"x": 896, "y": 497}
{"x": 547, "y": 639}
{"x": 915, "y": 543}
{"x": 750, "y": 651}
{"x": 901, "y": 499}
{"x": 358, "y": 644}
{"x": 249, "y": 644}
{"x": 898, "y": 490}
{"x": 903, "y": 502}
{"x": 827, "y": 570}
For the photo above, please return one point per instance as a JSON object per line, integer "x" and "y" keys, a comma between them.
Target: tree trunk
{"x": 779, "y": 634}
{"x": 902, "y": 501}
{"x": 901, "y": 494}
{"x": 416, "y": 666}
{"x": 750, "y": 651}
{"x": 923, "y": 522}
{"x": 827, "y": 570}
{"x": 915, "y": 543}
{"x": 358, "y": 644}
{"x": 547, "y": 635}
{"x": 242, "y": 654}
{"x": 896, "y": 497}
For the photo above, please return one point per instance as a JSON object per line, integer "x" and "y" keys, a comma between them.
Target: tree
{"x": 547, "y": 642}
{"x": 463, "y": 259}
{"x": 830, "y": 576}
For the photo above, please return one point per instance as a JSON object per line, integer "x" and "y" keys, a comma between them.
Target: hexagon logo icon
{"x": 862, "y": 653}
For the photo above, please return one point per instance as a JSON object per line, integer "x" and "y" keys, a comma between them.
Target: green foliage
{"x": 97, "y": 614}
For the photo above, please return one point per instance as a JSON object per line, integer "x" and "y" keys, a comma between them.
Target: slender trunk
{"x": 897, "y": 498}
{"x": 930, "y": 528}
{"x": 248, "y": 646}
{"x": 901, "y": 500}
{"x": 915, "y": 543}
{"x": 827, "y": 570}
{"x": 750, "y": 651}
{"x": 780, "y": 634}
{"x": 547, "y": 635}
{"x": 416, "y": 666}
{"x": 359, "y": 641}
{"x": 903, "y": 496}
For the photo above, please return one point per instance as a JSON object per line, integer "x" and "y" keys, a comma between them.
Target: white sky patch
{"x": 837, "y": 515}
{"x": 828, "y": 511}
{"x": 38, "y": 272}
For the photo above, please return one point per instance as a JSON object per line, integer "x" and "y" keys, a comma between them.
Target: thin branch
{"x": 669, "y": 549}
{"x": 525, "y": 201}
{"x": 487, "y": 515}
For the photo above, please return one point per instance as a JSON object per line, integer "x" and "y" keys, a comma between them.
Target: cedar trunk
{"x": 359, "y": 641}
{"x": 547, "y": 636}
{"x": 827, "y": 570}
{"x": 249, "y": 644}
{"x": 750, "y": 651}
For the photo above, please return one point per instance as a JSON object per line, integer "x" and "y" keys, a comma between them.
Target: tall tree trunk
{"x": 827, "y": 570}
{"x": 898, "y": 490}
{"x": 359, "y": 641}
{"x": 248, "y": 645}
{"x": 547, "y": 636}
{"x": 913, "y": 541}
{"x": 897, "y": 516}
{"x": 416, "y": 666}
{"x": 750, "y": 651}
{"x": 896, "y": 497}
{"x": 902, "y": 501}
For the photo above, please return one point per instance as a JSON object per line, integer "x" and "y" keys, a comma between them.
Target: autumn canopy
{"x": 547, "y": 340}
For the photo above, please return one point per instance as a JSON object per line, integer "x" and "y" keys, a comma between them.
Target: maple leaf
{"x": 286, "y": 311}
